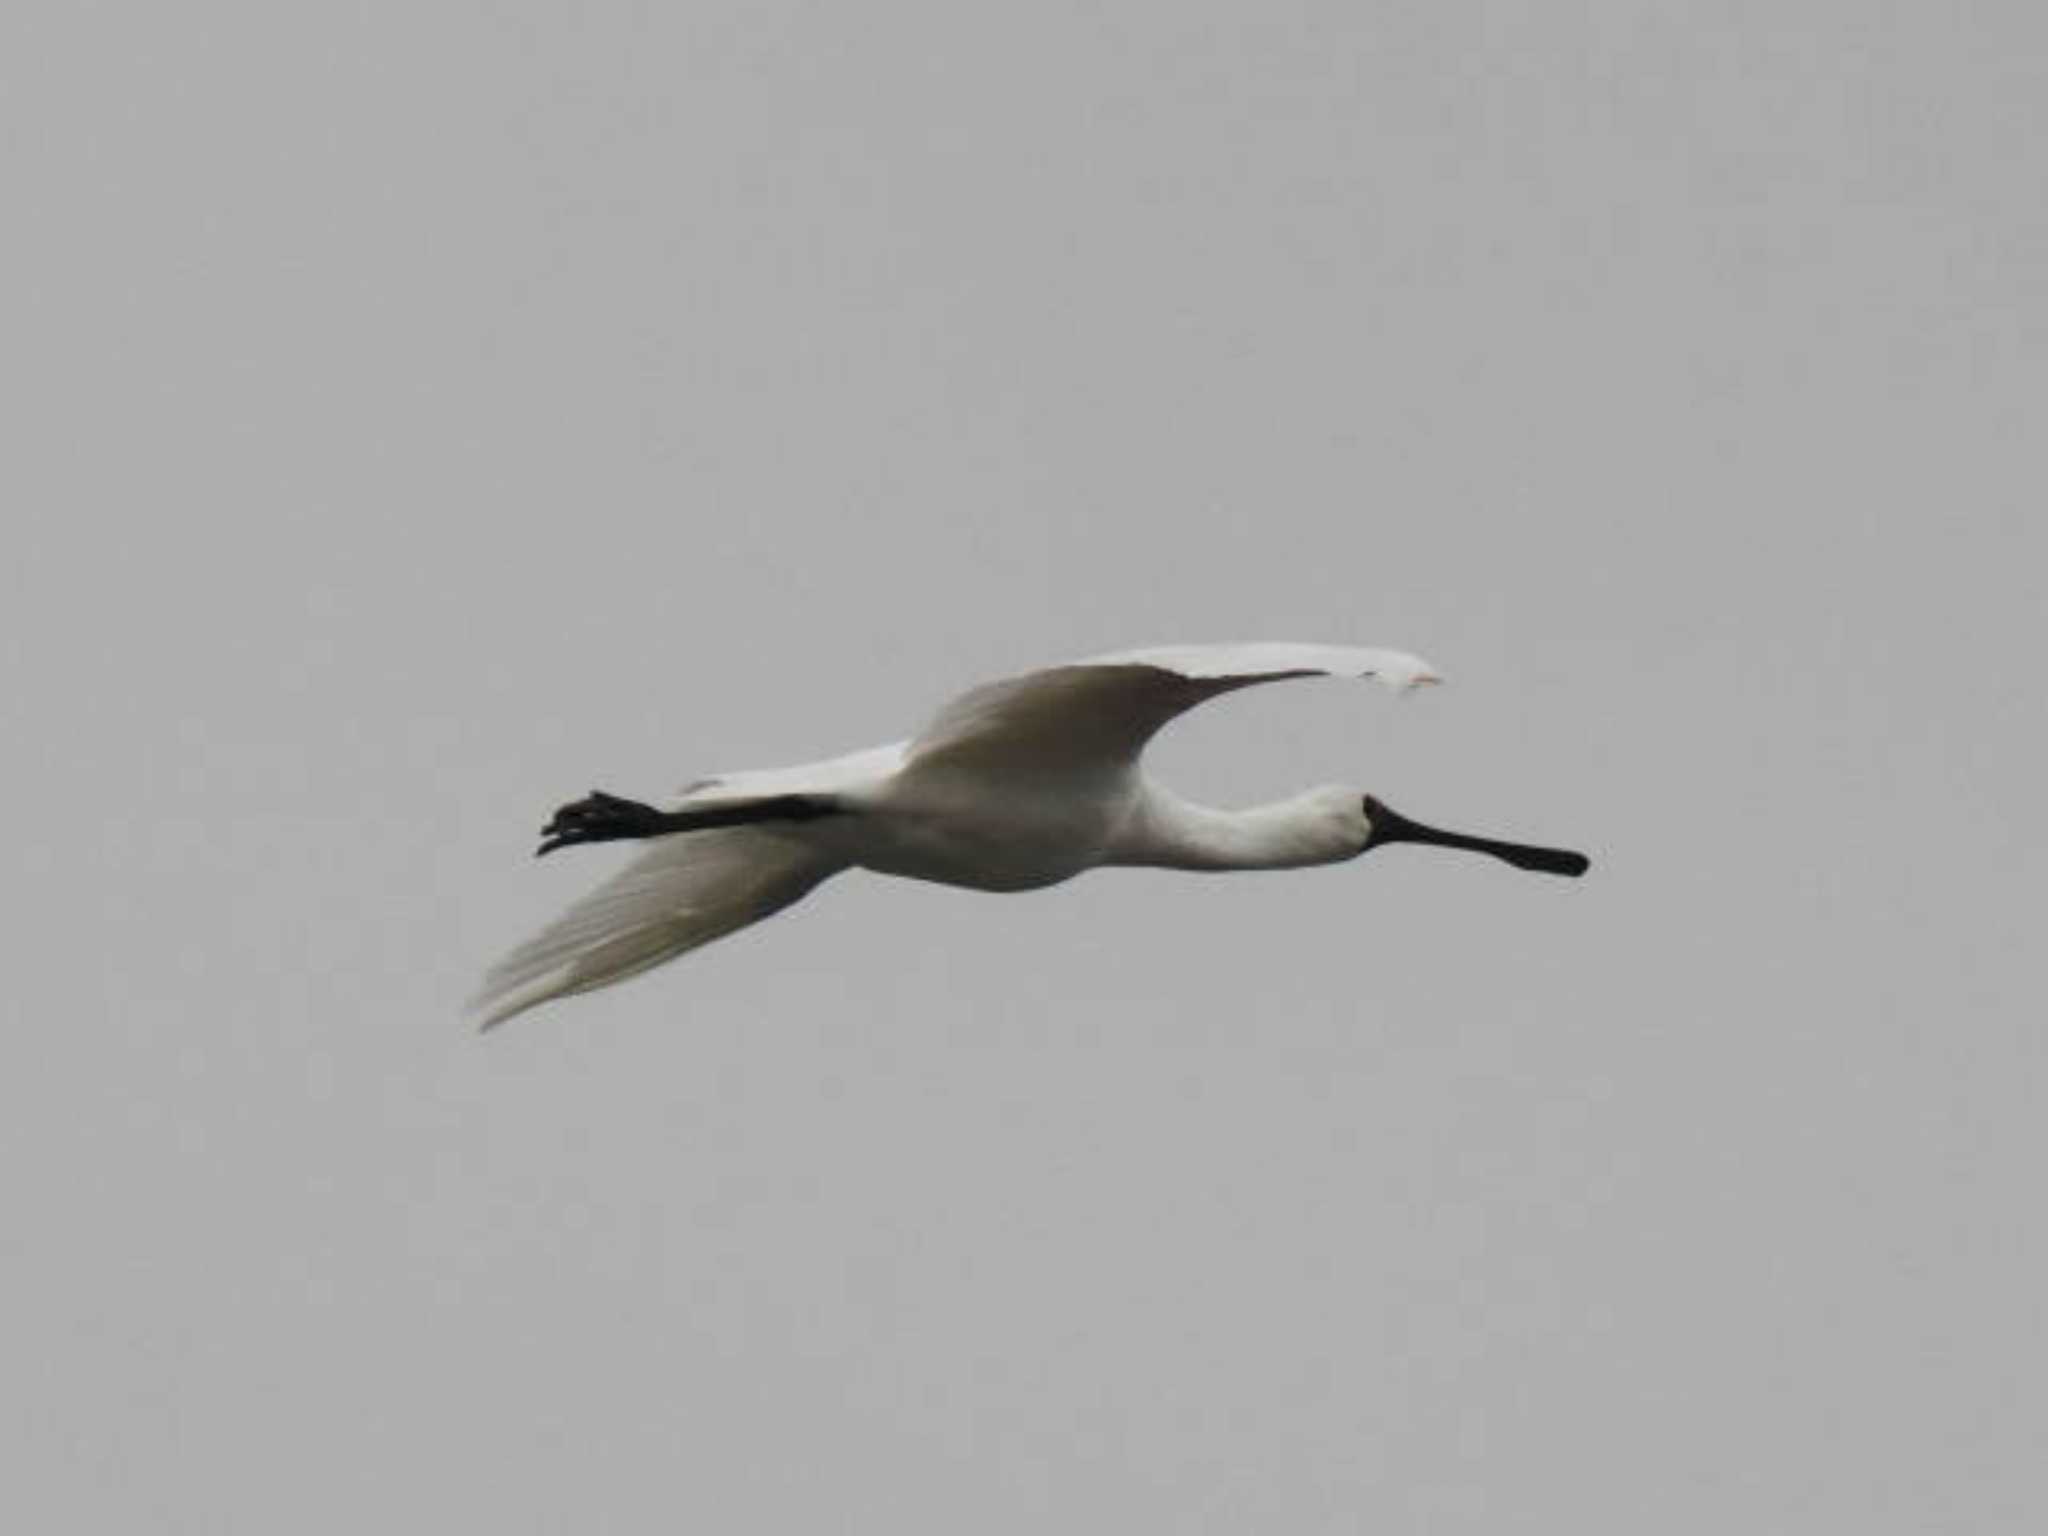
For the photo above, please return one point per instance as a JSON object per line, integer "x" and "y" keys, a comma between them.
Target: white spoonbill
{"x": 1019, "y": 783}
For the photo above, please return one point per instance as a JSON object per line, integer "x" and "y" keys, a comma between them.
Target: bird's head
{"x": 1332, "y": 819}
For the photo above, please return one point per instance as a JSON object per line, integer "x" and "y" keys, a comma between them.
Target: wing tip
{"x": 498, "y": 1005}
{"x": 1403, "y": 673}
{"x": 1427, "y": 677}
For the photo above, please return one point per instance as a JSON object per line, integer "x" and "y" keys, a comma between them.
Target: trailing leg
{"x": 603, "y": 818}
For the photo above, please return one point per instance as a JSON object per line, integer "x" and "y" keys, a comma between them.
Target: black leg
{"x": 603, "y": 818}
{"x": 598, "y": 818}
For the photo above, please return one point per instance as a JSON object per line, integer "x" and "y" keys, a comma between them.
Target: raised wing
{"x": 684, "y": 891}
{"x": 1098, "y": 714}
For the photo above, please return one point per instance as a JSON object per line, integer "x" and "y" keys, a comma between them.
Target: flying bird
{"x": 1020, "y": 783}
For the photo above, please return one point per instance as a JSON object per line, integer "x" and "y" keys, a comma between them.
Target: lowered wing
{"x": 684, "y": 891}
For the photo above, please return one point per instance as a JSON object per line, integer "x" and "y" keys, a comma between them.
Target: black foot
{"x": 599, "y": 818}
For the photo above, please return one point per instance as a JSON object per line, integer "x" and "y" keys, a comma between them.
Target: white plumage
{"x": 1016, "y": 784}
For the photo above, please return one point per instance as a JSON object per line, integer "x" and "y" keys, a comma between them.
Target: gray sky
{"x": 422, "y": 413}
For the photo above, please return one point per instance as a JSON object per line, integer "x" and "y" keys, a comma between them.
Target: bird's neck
{"x": 1167, "y": 832}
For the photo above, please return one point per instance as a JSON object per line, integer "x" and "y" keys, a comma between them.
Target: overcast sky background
{"x": 418, "y": 414}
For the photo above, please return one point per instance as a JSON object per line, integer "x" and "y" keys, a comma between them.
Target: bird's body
{"x": 1016, "y": 785}
{"x": 934, "y": 827}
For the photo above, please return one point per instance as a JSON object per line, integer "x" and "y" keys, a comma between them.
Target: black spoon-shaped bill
{"x": 1388, "y": 825}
